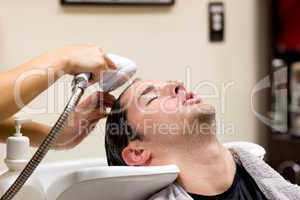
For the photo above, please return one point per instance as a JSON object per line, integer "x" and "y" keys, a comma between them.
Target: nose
{"x": 172, "y": 88}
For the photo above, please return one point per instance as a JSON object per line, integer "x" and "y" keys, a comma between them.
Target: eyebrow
{"x": 148, "y": 89}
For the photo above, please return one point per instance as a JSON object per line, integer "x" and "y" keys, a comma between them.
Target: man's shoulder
{"x": 270, "y": 182}
{"x": 171, "y": 192}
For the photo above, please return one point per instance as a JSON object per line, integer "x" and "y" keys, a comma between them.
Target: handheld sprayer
{"x": 110, "y": 81}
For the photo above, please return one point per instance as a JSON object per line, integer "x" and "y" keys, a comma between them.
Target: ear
{"x": 133, "y": 155}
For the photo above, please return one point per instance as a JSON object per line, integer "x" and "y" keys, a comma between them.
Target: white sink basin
{"x": 89, "y": 180}
{"x": 94, "y": 180}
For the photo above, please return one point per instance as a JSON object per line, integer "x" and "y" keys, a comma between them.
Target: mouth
{"x": 188, "y": 98}
{"x": 191, "y": 99}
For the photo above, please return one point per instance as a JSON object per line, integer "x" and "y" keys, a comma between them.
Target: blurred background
{"x": 227, "y": 46}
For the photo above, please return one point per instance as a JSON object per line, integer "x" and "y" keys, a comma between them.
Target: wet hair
{"x": 118, "y": 133}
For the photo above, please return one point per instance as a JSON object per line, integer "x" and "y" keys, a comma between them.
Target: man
{"x": 161, "y": 123}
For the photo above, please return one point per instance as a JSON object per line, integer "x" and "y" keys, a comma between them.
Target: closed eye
{"x": 152, "y": 99}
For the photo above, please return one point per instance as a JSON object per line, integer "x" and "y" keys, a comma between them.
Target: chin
{"x": 202, "y": 110}
{"x": 206, "y": 109}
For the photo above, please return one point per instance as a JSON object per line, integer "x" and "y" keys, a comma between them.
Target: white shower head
{"x": 113, "y": 79}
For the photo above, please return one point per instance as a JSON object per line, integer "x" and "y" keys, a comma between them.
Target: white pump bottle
{"x": 17, "y": 149}
{"x": 17, "y": 154}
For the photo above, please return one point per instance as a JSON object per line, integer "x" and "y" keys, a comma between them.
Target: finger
{"x": 95, "y": 78}
{"x": 82, "y": 134}
{"x": 90, "y": 100}
{"x": 88, "y": 104}
{"x": 92, "y": 80}
{"x": 76, "y": 140}
{"x": 101, "y": 67}
{"x": 106, "y": 99}
{"x": 97, "y": 114}
{"x": 110, "y": 63}
{"x": 104, "y": 65}
{"x": 103, "y": 59}
{"x": 95, "y": 101}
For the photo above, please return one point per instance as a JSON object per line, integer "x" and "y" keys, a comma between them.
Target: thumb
{"x": 110, "y": 63}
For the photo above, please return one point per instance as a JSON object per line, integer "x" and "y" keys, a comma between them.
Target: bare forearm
{"x": 23, "y": 83}
{"x": 35, "y": 131}
{"x": 20, "y": 85}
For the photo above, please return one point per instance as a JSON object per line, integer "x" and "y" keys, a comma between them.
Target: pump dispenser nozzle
{"x": 17, "y": 149}
{"x": 18, "y": 125}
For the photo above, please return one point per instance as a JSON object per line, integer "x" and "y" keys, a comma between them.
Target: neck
{"x": 206, "y": 166}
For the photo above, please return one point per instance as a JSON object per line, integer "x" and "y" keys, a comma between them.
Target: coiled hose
{"x": 46, "y": 144}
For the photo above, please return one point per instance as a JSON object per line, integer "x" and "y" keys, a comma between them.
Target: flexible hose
{"x": 45, "y": 146}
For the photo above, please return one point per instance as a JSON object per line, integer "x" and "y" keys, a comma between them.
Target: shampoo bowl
{"x": 94, "y": 180}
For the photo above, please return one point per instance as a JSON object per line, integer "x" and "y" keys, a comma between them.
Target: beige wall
{"x": 162, "y": 40}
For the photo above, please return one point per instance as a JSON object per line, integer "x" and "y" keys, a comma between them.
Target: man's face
{"x": 160, "y": 109}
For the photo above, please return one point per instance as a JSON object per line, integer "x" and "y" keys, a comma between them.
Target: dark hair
{"x": 118, "y": 134}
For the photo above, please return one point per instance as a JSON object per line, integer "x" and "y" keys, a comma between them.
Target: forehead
{"x": 136, "y": 88}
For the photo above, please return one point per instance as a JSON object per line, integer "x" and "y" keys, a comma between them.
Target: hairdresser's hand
{"x": 84, "y": 119}
{"x": 86, "y": 58}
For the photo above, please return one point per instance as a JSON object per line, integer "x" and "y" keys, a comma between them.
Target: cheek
{"x": 158, "y": 117}
{"x": 168, "y": 111}
{"x": 162, "y": 124}
{"x": 161, "y": 106}
{"x": 169, "y": 106}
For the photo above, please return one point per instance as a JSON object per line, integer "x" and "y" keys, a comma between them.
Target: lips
{"x": 189, "y": 95}
{"x": 186, "y": 97}
{"x": 191, "y": 98}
